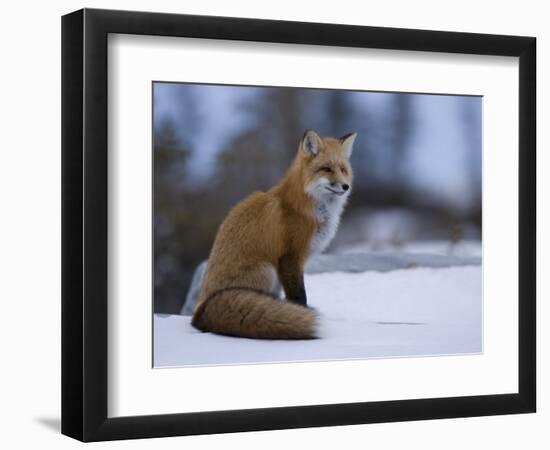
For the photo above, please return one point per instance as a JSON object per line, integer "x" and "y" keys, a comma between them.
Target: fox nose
{"x": 345, "y": 187}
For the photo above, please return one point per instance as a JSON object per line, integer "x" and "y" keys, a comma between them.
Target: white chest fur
{"x": 328, "y": 214}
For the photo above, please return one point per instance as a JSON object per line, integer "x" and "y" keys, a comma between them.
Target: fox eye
{"x": 326, "y": 169}
{"x": 344, "y": 170}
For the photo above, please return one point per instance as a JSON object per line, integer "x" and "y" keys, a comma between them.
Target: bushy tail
{"x": 254, "y": 314}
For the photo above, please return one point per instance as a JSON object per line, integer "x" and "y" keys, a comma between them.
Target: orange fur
{"x": 267, "y": 238}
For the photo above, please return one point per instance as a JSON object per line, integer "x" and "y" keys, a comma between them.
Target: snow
{"x": 382, "y": 262}
{"x": 410, "y": 312}
{"x": 356, "y": 259}
{"x": 463, "y": 249}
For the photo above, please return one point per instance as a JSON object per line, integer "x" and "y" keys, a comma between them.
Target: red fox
{"x": 267, "y": 238}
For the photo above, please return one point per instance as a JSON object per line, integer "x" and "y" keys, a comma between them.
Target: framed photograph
{"x": 273, "y": 224}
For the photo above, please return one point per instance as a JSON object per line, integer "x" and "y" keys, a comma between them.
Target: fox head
{"x": 326, "y": 169}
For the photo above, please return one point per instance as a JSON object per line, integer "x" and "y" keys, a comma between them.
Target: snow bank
{"x": 468, "y": 249}
{"x": 357, "y": 260}
{"x": 422, "y": 311}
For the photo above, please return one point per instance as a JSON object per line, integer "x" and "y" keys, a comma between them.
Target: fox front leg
{"x": 292, "y": 278}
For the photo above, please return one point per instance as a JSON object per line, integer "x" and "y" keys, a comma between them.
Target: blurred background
{"x": 416, "y": 163}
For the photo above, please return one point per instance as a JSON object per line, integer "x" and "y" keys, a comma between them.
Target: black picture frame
{"x": 84, "y": 224}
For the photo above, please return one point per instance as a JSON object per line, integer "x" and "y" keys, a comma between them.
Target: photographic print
{"x": 298, "y": 224}
{"x": 327, "y": 228}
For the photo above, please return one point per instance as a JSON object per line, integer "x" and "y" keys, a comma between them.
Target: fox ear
{"x": 347, "y": 143}
{"x": 311, "y": 143}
